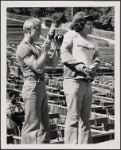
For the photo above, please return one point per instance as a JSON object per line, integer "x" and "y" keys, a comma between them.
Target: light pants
{"x": 36, "y": 126}
{"x": 79, "y": 99}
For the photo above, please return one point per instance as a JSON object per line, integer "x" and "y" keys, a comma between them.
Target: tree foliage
{"x": 104, "y": 16}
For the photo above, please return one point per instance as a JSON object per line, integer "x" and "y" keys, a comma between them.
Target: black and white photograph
{"x": 60, "y": 74}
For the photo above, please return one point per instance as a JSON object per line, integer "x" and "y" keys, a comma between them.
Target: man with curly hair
{"x": 80, "y": 57}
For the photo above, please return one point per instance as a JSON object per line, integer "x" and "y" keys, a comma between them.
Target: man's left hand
{"x": 90, "y": 73}
{"x": 93, "y": 67}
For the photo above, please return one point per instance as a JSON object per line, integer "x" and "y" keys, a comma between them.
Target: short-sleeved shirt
{"x": 23, "y": 50}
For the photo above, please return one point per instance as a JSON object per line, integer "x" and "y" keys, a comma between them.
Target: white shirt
{"x": 82, "y": 49}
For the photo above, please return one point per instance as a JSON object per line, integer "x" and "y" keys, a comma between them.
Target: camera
{"x": 58, "y": 37}
{"x": 51, "y": 34}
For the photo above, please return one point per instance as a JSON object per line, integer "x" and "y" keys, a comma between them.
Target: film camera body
{"x": 58, "y": 37}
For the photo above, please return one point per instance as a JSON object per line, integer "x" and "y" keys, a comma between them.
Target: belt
{"x": 87, "y": 80}
{"x": 33, "y": 78}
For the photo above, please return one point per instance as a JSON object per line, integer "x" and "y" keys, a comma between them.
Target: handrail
{"x": 106, "y": 39}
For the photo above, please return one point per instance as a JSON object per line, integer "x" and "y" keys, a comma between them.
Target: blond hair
{"x": 32, "y": 22}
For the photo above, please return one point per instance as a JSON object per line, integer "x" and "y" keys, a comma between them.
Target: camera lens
{"x": 59, "y": 38}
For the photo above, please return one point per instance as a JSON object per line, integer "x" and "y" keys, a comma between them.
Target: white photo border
{"x": 106, "y": 145}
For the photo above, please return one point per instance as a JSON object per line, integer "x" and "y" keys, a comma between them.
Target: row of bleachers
{"x": 54, "y": 87}
{"x": 102, "y": 116}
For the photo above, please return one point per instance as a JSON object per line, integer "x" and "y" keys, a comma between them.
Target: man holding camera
{"x": 32, "y": 61}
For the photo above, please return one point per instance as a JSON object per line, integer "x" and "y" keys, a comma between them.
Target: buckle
{"x": 89, "y": 80}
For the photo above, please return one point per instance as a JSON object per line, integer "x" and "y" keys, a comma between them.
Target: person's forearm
{"x": 96, "y": 58}
{"x": 66, "y": 57}
{"x": 55, "y": 59}
{"x": 94, "y": 66}
{"x": 72, "y": 63}
{"x": 96, "y": 63}
{"x": 41, "y": 61}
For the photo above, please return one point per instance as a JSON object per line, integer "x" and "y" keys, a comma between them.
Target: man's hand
{"x": 80, "y": 67}
{"x": 84, "y": 69}
{"x": 47, "y": 44}
{"x": 94, "y": 66}
{"x": 90, "y": 73}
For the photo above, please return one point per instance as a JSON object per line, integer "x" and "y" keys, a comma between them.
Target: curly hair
{"x": 78, "y": 25}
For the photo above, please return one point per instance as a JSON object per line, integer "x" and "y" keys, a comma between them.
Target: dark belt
{"x": 33, "y": 78}
{"x": 87, "y": 80}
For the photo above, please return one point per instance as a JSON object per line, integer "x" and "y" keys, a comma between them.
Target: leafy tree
{"x": 104, "y": 16}
{"x": 68, "y": 14}
{"x": 50, "y": 11}
{"x": 106, "y": 19}
{"x": 34, "y": 12}
{"x": 58, "y": 18}
{"x": 17, "y": 10}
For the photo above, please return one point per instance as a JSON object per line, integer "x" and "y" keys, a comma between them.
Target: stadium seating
{"x": 102, "y": 117}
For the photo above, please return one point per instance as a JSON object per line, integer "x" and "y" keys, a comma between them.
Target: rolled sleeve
{"x": 23, "y": 51}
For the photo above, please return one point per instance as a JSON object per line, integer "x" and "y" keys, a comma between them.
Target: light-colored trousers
{"x": 79, "y": 99}
{"x": 36, "y": 126}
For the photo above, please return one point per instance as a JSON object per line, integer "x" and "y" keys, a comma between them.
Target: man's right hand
{"x": 88, "y": 72}
{"x": 47, "y": 44}
{"x": 80, "y": 67}
{"x": 49, "y": 39}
